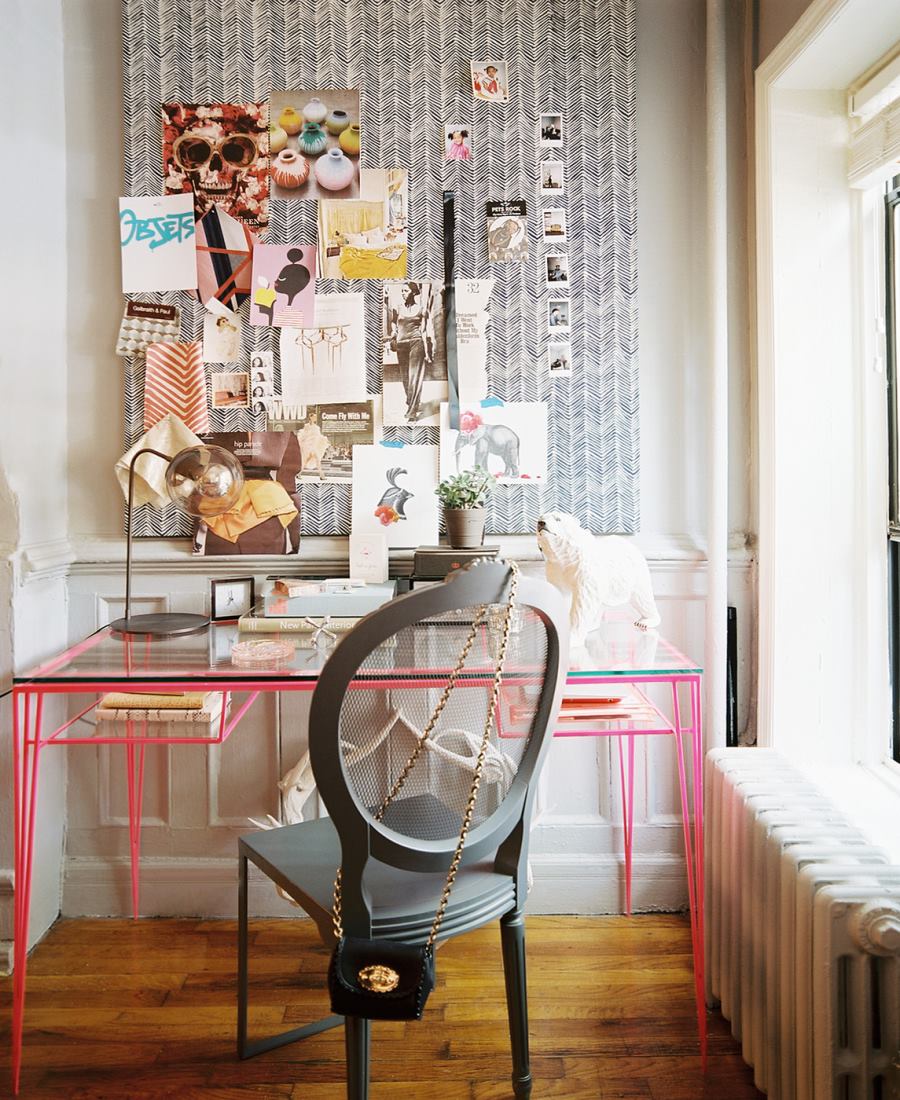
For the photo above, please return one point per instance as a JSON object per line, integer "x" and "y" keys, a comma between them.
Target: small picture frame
{"x": 558, "y": 315}
{"x": 551, "y": 128}
{"x": 231, "y": 598}
{"x": 553, "y": 177}
{"x": 559, "y": 360}
{"x": 554, "y": 224}
{"x": 557, "y": 270}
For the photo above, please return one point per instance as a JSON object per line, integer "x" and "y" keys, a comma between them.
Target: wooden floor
{"x": 145, "y": 1010}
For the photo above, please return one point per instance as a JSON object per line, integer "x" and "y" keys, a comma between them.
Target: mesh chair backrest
{"x": 372, "y": 707}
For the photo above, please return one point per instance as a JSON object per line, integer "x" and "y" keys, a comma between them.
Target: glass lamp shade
{"x": 204, "y": 481}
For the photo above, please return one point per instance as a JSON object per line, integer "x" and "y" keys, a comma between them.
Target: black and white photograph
{"x": 414, "y": 358}
{"x": 553, "y": 177}
{"x": 559, "y": 359}
{"x": 551, "y": 126}
{"x": 490, "y": 81}
{"x": 558, "y": 315}
{"x": 554, "y": 224}
{"x": 262, "y": 373}
{"x": 557, "y": 270}
{"x": 229, "y": 599}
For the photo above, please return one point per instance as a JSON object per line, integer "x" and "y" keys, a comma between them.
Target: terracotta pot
{"x": 334, "y": 171}
{"x": 290, "y": 170}
{"x": 349, "y": 140}
{"x": 290, "y": 121}
{"x": 465, "y": 527}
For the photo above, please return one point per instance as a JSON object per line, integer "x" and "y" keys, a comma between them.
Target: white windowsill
{"x": 868, "y": 796}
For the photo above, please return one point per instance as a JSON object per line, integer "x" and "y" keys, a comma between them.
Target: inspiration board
{"x": 541, "y": 169}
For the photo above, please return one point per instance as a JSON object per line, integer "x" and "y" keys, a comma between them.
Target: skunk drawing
{"x": 395, "y": 496}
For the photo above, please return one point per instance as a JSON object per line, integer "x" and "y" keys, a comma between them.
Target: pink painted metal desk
{"x": 618, "y": 655}
{"x": 201, "y": 662}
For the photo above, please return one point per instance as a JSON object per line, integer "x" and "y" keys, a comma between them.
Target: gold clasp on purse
{"x": 378, "y": 978}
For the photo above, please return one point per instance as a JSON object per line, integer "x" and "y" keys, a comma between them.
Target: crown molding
{"x": 49, "y": 559}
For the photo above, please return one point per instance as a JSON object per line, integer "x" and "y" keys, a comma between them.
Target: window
{"x": 892, "y": 318}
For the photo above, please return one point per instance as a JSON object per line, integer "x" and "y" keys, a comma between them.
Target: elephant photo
{"x": 491, "y": 439}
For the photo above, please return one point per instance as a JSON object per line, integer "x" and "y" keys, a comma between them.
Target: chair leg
{"x": 242, "y": 991}
{"x": 247, "y": 1049}
{"x": 512, "y": 935}
{"x": 357, "y": 1033}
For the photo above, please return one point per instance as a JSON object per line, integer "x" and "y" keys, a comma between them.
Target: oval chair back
{"x": 372, "y": 705}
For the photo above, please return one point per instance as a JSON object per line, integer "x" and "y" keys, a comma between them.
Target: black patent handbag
{"x": 380, "y": 979}
{"x": 387, "y": 979}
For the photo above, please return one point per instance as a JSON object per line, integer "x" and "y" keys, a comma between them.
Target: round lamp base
{"x": 163, "y": 623}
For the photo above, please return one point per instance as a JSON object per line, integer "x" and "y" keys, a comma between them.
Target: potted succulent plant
{"x": 463, "y": 496}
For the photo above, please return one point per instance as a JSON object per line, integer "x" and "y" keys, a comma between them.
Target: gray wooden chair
{"x": 375, "y": 693}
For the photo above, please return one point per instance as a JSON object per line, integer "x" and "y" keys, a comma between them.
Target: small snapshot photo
{"x": 553, "y": 177}
{"x": 229, "y": 599}
{"x": 559, "y": 359}
{"x": 457, "y": 143}
{"x": 558, "y": 315}
{"x": 551, "y": 129}
{"x": 554, "y": 224}
{"x": 231, "y": 390}
{"x": 558, "y": 270}
{"x": 490, "y": 81}
{"x": 262, "y": 373}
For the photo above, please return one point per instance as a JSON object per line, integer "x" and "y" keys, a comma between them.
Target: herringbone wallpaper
{"x": 410, "y": 61}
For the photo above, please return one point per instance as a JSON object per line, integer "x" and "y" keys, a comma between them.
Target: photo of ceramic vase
{"x": 337, "y": 121}
{"x": 349, "y": 140}
{"x": 277, "y": 139}
{"x": 312, "y": 139}
{"x": 290, "y": 170}
{"x": 290, "y": 121}
{"x": 334, "y": 171}
{"x": 315, "y": 111}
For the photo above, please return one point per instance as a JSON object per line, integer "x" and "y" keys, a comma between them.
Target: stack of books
{"x": 126, "y": 706}
{"x": 579, "y": 707}
{"x": 304, "y": 607}
{"x": 593, "y": 708}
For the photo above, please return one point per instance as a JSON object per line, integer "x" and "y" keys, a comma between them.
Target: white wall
{"x": 93, "y": 82}
{"x": 33, "y": 507}
{"x": 94, "y": 150}
{"x": 579, "y": 841}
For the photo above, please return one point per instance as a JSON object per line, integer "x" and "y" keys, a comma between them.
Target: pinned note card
{"x": 157, "y": 237}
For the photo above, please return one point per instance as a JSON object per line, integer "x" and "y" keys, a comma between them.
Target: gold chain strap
{"x": 479, "y": 763}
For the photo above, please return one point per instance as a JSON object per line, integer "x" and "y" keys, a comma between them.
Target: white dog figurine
{"x": 596, "y": 572}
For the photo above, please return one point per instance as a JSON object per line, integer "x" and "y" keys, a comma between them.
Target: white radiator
{"x": 803, "y": 934}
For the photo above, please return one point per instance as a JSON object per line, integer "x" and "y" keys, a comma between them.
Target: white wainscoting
{"x": 198, "y": 800}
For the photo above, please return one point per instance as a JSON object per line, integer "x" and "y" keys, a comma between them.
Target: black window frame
{"x": 892, "y": 359}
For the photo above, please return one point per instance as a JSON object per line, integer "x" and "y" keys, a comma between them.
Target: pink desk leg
{"x": 700, "y": 954}
{"x": 26, "y": 754}
{"x": 693, "y": 845}
{"x": 135, "y": 765}
{"x": 627, "y": 779}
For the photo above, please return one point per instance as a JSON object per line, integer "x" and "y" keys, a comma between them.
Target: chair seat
{"x": 302, "y": 860}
